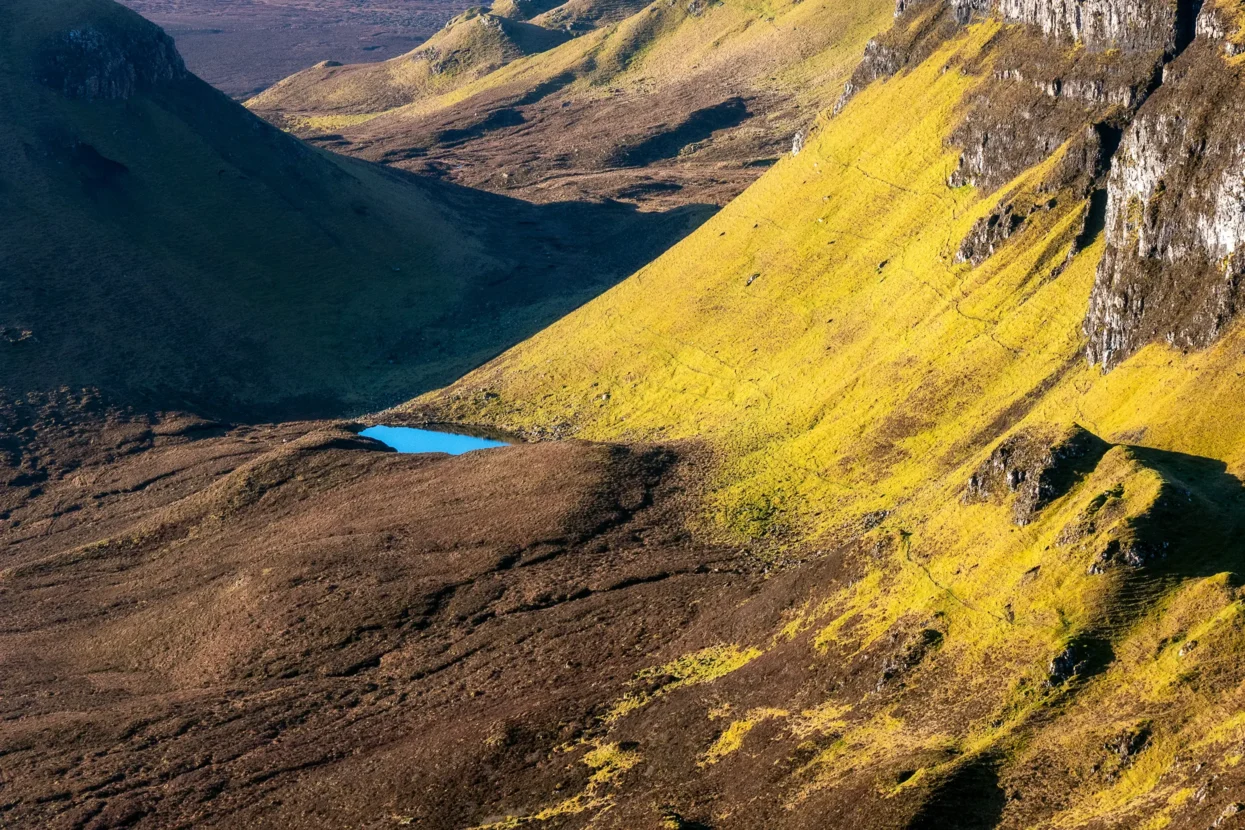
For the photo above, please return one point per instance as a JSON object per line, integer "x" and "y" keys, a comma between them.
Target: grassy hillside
{"x": 330, "y": 96}
{"x": 244, "y": 48}
{"x": 821, "y": 330}
{"x": 673, "y": 104}
{"x": 164, "y": 244}
{"x": 875, "y": 401}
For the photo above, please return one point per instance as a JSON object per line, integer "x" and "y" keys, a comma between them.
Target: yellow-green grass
{"x": 819, "y": 334}
{"x": 732, "y": 737}
{"x": 331, "y": 123}
{"x": 689, "y": 670}
{"x": 820, "y": 337}
{"x": 469, "y": 47}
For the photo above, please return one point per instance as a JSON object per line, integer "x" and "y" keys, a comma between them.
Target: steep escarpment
{"x": 1131, "y": 25}
{"x": 1041, "y": 92}
{"x": 1146, "y": 100}
{"x": 1155, "y": 84}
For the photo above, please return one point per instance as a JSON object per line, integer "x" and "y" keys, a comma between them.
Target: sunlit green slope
{"x": 860, "y": 389}
{"x": 820, "y": 333}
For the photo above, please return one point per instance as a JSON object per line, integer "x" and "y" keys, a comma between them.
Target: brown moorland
{"x": 244, "y": 46}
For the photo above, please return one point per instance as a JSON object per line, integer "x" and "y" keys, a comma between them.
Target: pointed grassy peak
{"x": 521, "y": 9}
{"x": 480, "y": 28}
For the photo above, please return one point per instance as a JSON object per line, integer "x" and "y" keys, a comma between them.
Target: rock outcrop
{"x": 1147, "y": 113}
{"x": 1044, "y": 93}
{"x": 991, "y": 232}
{"x": 1175, "y": 225}
{"x": 1223, "y": 26}
{"x": 1130, "y": 25}
{"x": 1040, "y": 91}
{"x": 109, "y": 60}
{"x": 1037, "y": 466}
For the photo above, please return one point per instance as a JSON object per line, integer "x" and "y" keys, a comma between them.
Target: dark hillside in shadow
{"x": 167, "y": 247}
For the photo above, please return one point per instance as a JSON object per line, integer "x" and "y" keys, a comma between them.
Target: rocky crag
{"x": 1148, "y": 99}
{"x": 109, "y": 63}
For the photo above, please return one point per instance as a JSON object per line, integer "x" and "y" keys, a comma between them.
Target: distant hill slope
{"x": 675, "y": 103}
{"x": 163, "y": 244}
{"x": 330, "y": 96}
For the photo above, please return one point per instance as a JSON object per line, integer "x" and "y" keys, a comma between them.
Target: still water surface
{"x": 410, "y": 439}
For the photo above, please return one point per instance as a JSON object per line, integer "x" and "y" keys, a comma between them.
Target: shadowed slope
{"x": 165, "y": 245}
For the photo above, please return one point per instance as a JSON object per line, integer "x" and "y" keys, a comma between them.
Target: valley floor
{"x": 244, "y": 47}
{"x": 289, "y": 626}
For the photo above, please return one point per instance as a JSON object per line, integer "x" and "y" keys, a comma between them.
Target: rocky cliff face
{"x": 1132, "y": 25}
{"x": 109, "y": 61}
{"x": 1176, "y": 215}
{"x": 1222, "y": 24}
{"x": 1141, "y": 99}
{"x": 1041, "y": 93}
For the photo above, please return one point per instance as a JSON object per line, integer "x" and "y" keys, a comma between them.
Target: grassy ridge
{"x": 807, "y": 46}
{"x": 330, "y": 96}
{"x": 678, "y": 103}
